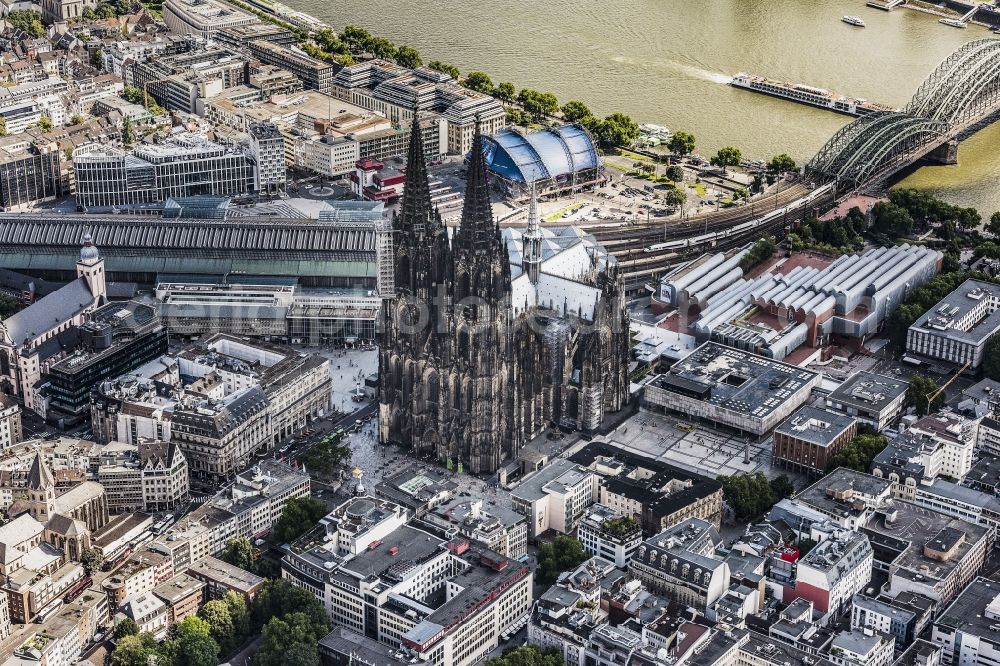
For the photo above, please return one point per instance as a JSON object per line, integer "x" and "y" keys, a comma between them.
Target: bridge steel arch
{"x": 962, "y": 87}
{"x": 871, "y": 145}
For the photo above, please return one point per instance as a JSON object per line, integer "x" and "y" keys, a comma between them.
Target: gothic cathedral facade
{"x": 491, "y": 336}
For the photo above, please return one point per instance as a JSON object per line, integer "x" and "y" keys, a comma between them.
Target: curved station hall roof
{"x": 550, "y": 154}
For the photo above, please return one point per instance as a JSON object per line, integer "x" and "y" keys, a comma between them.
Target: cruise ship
{"x": 803, "y": 94}
{"x": 853, "y": 20}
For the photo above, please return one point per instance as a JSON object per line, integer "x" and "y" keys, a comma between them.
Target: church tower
{"x": 413, "y": 340}
{"x": 90, "y": 267}
{"x": 482, "y": 370}
{"x": 531, "y": 250}
{"x": 41, "y": 490}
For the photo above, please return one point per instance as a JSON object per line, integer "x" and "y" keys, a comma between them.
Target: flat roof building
{"x": 873, "y": 399}
{"x": 808, "y": 439}
{"x": 732, "y": 388}
{"x": 966, "y": 630}
{"x": 957, "y": 328}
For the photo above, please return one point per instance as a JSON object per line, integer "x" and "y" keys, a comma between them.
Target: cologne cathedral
{"x": 492, "y": 335}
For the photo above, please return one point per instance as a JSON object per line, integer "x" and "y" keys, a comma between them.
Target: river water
{"x": 668, "y": 62}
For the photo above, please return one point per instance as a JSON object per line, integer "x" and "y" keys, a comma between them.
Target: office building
{"x": 315, "y": 74}
{"x": 221, "y": 400}
{"x": 267, "y": 149}
{"x": 150, "y": 477}
{"x": 396, "y": 92}
{"x": 872, "y": 399}
{"x": 731, "y": 388}
{"x": 607, "y": 534}
{"x": 500, "y": 529}
{"x": 809, "y": 438}
{"x": 937, "y": 445}
{"x": 184, "y": 81}
{"x": 925, "y": 552}
{"x": 114, "y": 340}
{"x": 862, "y": 647}
{"x": 221, "y": 577}
{"x": 446, "y": 602}
{"x": 958, "y": 327}
{"x": 555, "y": 497}
{"x": 830, "y": 574}
{"x": 29, "y": 173}
{"x": 657, "y": 494}
{"x": 844, "y": 497}
{"x": 204, "y": 18}
{"x": 185, "y": 165}
{"x": 966, "y": 629}
{"x": 247, "y": 507}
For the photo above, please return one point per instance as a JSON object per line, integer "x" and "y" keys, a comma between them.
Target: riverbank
{"x": 669, "y": 61}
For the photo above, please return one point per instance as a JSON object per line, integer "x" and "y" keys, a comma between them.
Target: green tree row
{"x": 761, "y": 251}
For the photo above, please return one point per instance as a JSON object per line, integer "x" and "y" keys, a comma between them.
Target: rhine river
{"x": 668, "y": 62}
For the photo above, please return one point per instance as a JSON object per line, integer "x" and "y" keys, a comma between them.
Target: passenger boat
{"x": 853, "y": 20}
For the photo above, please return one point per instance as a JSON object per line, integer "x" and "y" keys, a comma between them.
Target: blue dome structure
{"x": 555, "y": 160}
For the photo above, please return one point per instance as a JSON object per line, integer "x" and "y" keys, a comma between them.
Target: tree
{"x": 781, "y": 164}
{"x": 538, "y": 104}
{"x": 618, "y": 131}
{"x": 238, "y": 612}
{"x": 563, "y": 553}
{"x": 675, "y": 173}
{"x": 220, "y": 622}
{"x": 478, "y": 81}
{"x": 407, "y": 56}
{"x": 993, "y": 226}
{"x": 289, "y": 639}
{"x": 674, "y": 196}
{"x": 859, "y": 453}
{"x": 280, "y": 597}
{"x": 45, "y": 124}
{"x": 134, "y": 650}
{"x": 781, "y": 487}
{"x": 891, "y": 220}
{"x": 126, "y": 627}
{"x": 528, "y": 655}
{"x": 759, "y": 252}
{"x": 505, "y": 91}
{"x": 681, "y": 143}
{"x": 195, "y": 646}
{"x": 574, "y": 111}
{"x": 128, "y": 134}
{"x": 299, "y": 514}
{"x": 8, "y": 305}
{"x": 76, "y": 119}
{"x": 241, "y": 553}
{"x": 749, "y": 496}
{"x": 27, "y": 21}
{"x": 3, "y": 126}
{"x": 380, "y": 47}
{"x": 991, "y": 358}
{"x": 91, "y": 560}
{"x": 357, "y": 39}
{"x": 727, "y": 156}
{"x": 450, "y": 70}
{"x": 918, "y": 395}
